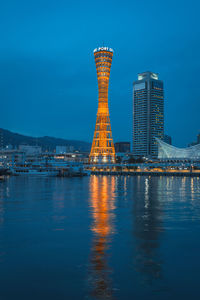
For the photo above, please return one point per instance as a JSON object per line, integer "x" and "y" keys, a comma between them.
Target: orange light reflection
{"x": 103, "y": 206}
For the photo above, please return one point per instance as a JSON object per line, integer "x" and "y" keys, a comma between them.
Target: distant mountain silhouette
{"x": 47, "y": 143}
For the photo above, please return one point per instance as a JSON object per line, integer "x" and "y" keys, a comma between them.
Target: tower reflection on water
{"x": 102, "y": 209}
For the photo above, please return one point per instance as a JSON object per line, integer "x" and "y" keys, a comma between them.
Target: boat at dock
{"x": 17, "y": 170}
{"x": 50, "y": 168}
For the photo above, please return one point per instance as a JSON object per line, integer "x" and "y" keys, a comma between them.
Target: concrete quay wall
{"x": 144, "y": 173}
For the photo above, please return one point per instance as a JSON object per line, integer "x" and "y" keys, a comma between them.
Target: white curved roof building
{"x": 168, "y": 151}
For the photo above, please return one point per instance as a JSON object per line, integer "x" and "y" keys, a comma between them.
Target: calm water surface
{"x": 100, "y": 237}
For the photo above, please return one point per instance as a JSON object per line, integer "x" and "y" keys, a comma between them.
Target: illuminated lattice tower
{"x": 102, "y": 146}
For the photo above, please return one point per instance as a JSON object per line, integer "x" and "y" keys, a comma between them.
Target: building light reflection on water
{"x": 102, "y": 210}
{"x": 146, "y": 192}
{"x": 192, "y": 189}
{"x": 148, "y": 228}
{"x": 58, "y": 204}
{"x": 4, "y": 193}
{"x": 123, "y": 237}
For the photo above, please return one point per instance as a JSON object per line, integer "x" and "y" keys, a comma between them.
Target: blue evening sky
{"x": 48, "y": 82}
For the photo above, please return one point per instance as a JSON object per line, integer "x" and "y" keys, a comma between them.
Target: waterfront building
{"x": 148, "y": 114}
{"x": 64, "y": 149}
{"x": 167, "y": 139}
{"x": 196, "y": 142}
{"x": 78, "y": 157}
{"x": 122, "y": 147}
{"x": 166, "y": 151}
{"x": 8, "y": 157}
{"x": 30, "y": 150}
{"x": 61, "y": 149}
{"x": 103, "y": 150}
{"x": 192, "y": 144}
{"x": 198, "y": 138}
{"x": 9, "y": 147}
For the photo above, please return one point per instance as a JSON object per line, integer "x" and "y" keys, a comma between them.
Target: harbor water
{"x": 99, "y": 237}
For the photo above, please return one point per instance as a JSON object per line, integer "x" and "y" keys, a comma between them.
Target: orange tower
{"x": 103, "y": 150}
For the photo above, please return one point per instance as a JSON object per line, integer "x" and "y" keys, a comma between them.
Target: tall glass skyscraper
{"x": 148, "y": 114}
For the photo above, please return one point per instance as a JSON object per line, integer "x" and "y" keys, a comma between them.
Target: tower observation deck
{"x": 103, "y": 150}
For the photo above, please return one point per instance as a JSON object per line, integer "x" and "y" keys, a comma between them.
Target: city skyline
{"x": 47, "y": 76}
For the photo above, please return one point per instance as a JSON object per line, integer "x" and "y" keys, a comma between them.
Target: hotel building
{"x": 148, "y": 114}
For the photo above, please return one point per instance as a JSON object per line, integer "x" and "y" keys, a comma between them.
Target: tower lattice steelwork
{"x": 102, "y": 146}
